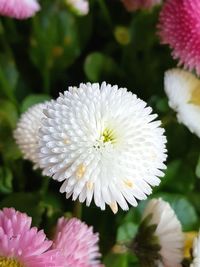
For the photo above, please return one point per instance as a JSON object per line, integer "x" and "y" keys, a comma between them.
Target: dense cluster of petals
{"x": 77, "y": 243}
{"x": 23, "y": 244}
{"x": 74, "y": 243}
{"x": 179, "y": 27}
{"x": 26, "y": 132}
{"x": 19, "y": 9}
{"x": 102, "y": 142}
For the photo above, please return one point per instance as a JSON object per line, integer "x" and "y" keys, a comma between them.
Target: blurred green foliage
{"x": 44, "y": 55}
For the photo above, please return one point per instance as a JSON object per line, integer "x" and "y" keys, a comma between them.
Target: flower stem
{"x": 105, "y": 13}
{"x": 46, "y": 80}
{"x": 44, "y": 185}
{"x": 77, "y": 211}
{"x": 5, "y": 84}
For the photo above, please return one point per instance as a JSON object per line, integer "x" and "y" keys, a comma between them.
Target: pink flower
{"x": 77, "y": 242}
{"x": 132, "y": 5}
{"x": 23, "y": 245}
{"x": 19, "y": 9}
{"x": 179, "y": 26}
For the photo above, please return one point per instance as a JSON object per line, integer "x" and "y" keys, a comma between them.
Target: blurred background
{"x": 41, "y": 57}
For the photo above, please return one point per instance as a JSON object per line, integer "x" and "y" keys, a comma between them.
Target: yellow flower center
{"x": 189, "y": 237}
{"x": 9, "y": 262}
{"x": 108, "y": 136}
{"x": 195, "y": 97}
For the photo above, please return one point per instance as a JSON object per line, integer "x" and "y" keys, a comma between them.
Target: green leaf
{"x": 98, "y": 66}
{"x": 162, "y": 105}
{"x": 31, "y": 100}
{"x": 53, "y": 202}
{"x": 8, "y": 120}
{"x": 126, "y": 232}
{"x": 8, "y": 75}
{"x": 173, "y": 169}
{"x": 116, "y": 260}
{"x": 6, "y": 178}
{"x": 54, "y": 41}
{"x": 133, "y": 215}
{"x": 85, "y": 23}
{"x": 8, "y": 113}
{"x": 177, "y": 170}
{"x": 9, "y": 149}
{"x": 145, "y": 23}
{"x": 25, "y": 202}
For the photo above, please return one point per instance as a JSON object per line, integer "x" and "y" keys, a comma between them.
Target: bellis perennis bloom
{"x": 168, "y": 231}
{"x": 183, "y": 91}
{"x": 179, "y": 26}
{"x": 132, "y": 5}
{"x": 74, "y": 245}
{"x": 19, "y": 9}
{"x": 101, "y": 141}
{"x": 26, "y": 132}
{"x": 80, "y": 7}
{"x": 196, "y": 252}
{"x": 77, "y": 243}
{"x": 21, "y": 245}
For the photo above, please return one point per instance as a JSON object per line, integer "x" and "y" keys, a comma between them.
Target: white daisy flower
{"x": 168, "y": 231}
{"x": 80, "y": 7}
{"x": 26, "y": 132}
{"x": 183, "y": 91}
{"x": 102, "y": 142}
{"x": 196, "y": 252}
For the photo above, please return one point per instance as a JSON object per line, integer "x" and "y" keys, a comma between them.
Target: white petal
{"x": 179, "y": 87}
{"x": 103, "y": 141}
{"x": 168, "y": 231}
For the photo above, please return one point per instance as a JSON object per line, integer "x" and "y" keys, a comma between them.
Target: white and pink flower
{"x": 19, "y": 9}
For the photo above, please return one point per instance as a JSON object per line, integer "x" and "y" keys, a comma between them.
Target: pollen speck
{"x": 128, "y": 183}
{"x": 114, "y": 207}
{"x": 80, "y": 171}
{"x": 90, "y": 185}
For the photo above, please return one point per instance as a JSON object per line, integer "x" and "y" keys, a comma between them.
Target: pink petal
{"x": 179, "y": 27}
{"x": 19, "y": 9}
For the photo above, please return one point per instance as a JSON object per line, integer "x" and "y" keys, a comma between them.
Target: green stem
{"x": 17, "y": 169}
{"x": 167, "y": 120}
{"x": 46, "y": 80}
{"x": 44, "y": 185}
{"x": 105, "y": 13}
{"x": 7, "y": 90}
{"x": 4, "y": 41}
{"x": 77, "y": 211}
{"x": 5, "y": 86}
